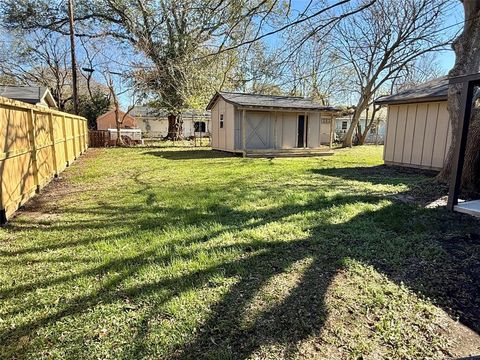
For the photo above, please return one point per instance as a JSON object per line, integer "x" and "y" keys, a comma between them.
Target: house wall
{"x": 266, "y": 129}
{"x": 107, "y": 121}
{"x": 418, "y": 135}
{"x": 158, "y": 127}
{"x": 153, "y": 127}
{"x": 372, "y": 137}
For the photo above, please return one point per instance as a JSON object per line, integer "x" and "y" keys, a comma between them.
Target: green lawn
{"x": 189, "y": 253}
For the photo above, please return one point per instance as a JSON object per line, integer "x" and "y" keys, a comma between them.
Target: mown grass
{"x": 189, "y": 253}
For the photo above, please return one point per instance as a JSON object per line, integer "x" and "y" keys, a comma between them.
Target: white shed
{"x": 418, "y": 126}
{"x": 255, "y": 124}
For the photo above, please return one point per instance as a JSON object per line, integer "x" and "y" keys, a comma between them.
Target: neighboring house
{"x": 108, "y": 121}
{"x": 376, "y": 135}
{"x": 246, "y": 123}
{"x": 154, "y": 123}
{"x": 35, "y": 95}
{"x": 418, "y": 126}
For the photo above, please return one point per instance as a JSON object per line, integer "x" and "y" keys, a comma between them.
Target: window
{"x": 221, "y": 121}
{"x": 344, "y": 125}
{"x": 199, "y": 126}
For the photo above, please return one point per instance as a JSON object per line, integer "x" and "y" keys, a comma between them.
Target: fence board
{"x": 36, "y": 144}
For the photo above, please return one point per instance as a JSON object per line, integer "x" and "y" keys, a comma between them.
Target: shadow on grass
{"x": 381, "y": 174}
{"x": 189, "y": 154}
{"x": 410, "y": 245}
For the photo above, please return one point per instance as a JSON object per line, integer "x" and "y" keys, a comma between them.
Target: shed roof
{"x": 30, "y": 94}
{"x": 268, "y": 101}
{"x": 433, "y": 90}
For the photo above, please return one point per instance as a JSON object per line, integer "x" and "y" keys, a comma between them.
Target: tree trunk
{"x": 174, "y": 128}
{"x": 118, "y": 123}
{"x": 368, "y": 125}
{"x": 467, "y": 61}
{"x": 348, "y": 139}
{"x": 119, "y": 141}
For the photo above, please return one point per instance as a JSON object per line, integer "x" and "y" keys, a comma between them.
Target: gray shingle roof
{"x": 433, "y": 90}
{"x": 269, "y": 101}
{"x": 28, "y": 94}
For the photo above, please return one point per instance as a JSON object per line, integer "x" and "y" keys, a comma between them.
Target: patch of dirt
{"x": 426, "y": 192}
{"x": 465, "y": 342}
{"x": 43, "y": 207}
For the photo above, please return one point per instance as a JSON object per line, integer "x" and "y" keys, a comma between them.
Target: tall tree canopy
{"x": 174, "y": 36}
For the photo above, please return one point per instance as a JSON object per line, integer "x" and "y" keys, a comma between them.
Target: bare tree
{"x": 38, "y": 58}
{"x": 115, "y": 92}
{"x": 383, "y": 40}
{"x": 467, "y": 61}
{"x": 423, "y": 69}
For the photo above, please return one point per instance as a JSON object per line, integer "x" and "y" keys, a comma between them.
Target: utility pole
{"x": 74, "y": 60}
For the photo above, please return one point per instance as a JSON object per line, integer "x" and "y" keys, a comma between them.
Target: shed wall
{"x": 418, "y": 135}
{"x": 223, "y": 138}
{"x": 265, "y": 129}
{"x": 279, "y": 129}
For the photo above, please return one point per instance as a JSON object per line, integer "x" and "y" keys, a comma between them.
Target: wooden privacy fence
{"x": 36, "y": 144}
{"x": 98, "y": 138}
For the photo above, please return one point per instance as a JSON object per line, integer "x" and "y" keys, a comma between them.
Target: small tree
{"x": 115, "y": 93}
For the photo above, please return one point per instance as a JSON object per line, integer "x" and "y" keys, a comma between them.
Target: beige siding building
{"x": 249, "y": 124}
{"x": 418, "y": 126}
{"x": 154, "y": 123}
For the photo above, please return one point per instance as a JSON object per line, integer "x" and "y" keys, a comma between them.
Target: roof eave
{"x": 276, "y": 108}
{"x": 48, "y": 98}
{"x": 411, "y": 100}
{"x": 212, "y": 101}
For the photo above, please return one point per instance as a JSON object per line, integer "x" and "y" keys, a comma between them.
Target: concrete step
{"x": 278, "y": 154}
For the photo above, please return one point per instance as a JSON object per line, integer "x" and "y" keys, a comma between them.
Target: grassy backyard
{"x": 192, "y": 254}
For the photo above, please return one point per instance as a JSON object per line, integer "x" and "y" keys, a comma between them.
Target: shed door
{"x": 302, "y": 131}
{"x": 257, "y": 130}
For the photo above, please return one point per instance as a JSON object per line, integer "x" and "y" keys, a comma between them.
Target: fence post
{"x": 81, "y": 133}
{"x": 65, "y": 141}
{"x": 54, "y": 151}
{"x": 31, "y": 125}
{"x": 87, "y": 138}
{"x": 74, "y": 139}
